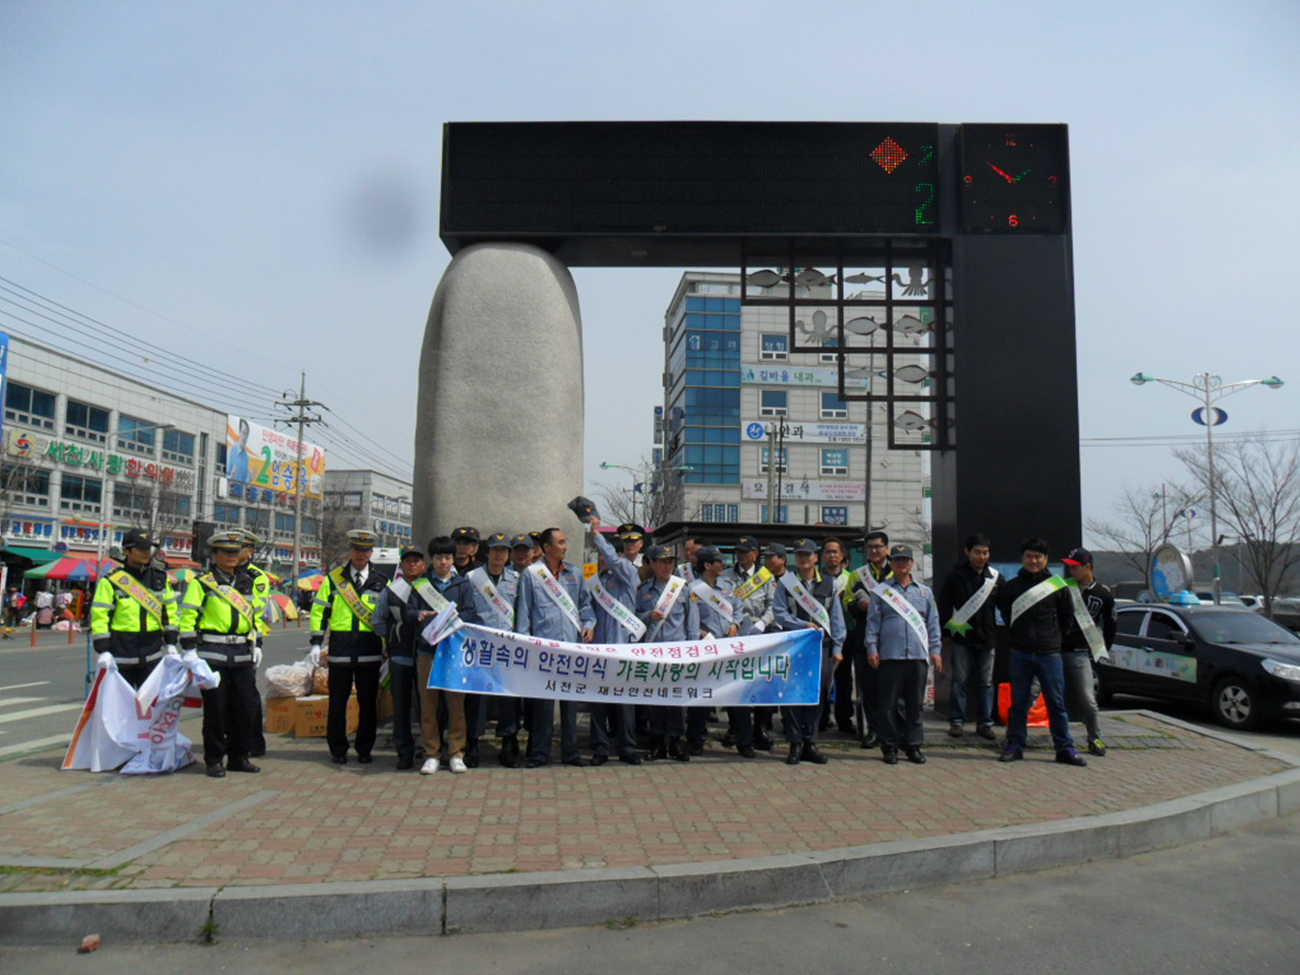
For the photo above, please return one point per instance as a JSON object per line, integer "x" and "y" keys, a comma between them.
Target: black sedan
{"x": 1245, "y": 667}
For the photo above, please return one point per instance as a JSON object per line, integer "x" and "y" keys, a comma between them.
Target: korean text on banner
{"x": 771, "y": 670}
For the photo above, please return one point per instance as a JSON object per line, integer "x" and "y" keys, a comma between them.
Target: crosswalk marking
{"x": 8, "y": 702}
{"x": 39, "y": 743}
{"x": 20, "y": 687}
{"x": 39, "y": 712}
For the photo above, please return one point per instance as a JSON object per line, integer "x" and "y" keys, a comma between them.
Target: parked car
{"x": 1244, "y": 667}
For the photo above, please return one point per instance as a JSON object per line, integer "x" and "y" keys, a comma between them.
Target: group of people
{"x": 882, "y": 631}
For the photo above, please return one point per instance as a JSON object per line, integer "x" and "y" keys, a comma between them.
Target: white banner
{"x": 828, "y": 376}
{"x": 763, "y": 669}
{"x": 755, "y": 431}
{"x": 755, "y": 489}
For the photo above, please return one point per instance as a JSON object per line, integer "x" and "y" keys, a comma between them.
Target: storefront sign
{"x": 755, "y": 489}
{"x": 842, "y": 433}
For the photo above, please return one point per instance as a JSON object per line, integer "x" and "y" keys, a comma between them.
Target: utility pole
{"x": 302, "y": 418}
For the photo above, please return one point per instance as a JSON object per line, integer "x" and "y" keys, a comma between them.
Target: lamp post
{"x": 1209, "y": 389}
{"x": 647, "y": 474}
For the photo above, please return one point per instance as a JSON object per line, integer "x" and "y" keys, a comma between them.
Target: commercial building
{"x": 748, "y": 419}
{"x": 366, "y": 499}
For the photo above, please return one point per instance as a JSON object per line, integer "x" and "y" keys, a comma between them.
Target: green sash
{"x": 344, "y": 588}
{"x": 232, "y": 596}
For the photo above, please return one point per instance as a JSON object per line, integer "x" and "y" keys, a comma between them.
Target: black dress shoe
{"x": 576, "y": 762}
{"x": 659, "y": 752}
{"x": 599, "y": 760}
{"x": 632, "y": 758}
{"x": 747, "y": 751}
{"x": 509, "y": 756}
{"x": 404, "y": 763}
{"x": 763, "y": 743}
{"x": 916, "y": 756}
{"x": 794, "y": 757}
{"x": 365, "y": 759}
{"x": 812, "y": 754}
{"x": 729, "y": 740}
{"x": 534, "y": 762}
{"x": 241, "y": 765}
{"x": 889, "y": 755}
{"x": 471, "y": 756}
{"x": 677, "y": 750}
{"x": 339, "y": 759}
{"x": 216, "y": 771}
{"x": 696, "y": 749}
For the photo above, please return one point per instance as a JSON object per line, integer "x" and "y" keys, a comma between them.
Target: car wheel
{"x": 1234, "y": 705}
{"x": 1100, "y": 689}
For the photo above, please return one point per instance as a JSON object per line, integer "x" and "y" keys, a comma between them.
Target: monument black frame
{"x": 990, "y": 211}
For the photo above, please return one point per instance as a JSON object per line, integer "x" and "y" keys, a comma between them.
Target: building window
{"x": 773, "y": 402}
{"x": 178, "y": 447}
{"x": 834, "y": 408}
{"x": 774, "y": 347}
{"x": 782, "y": 514}
{"x": 226, "y": 514}
{"x": 831, "y": 341}
{"x": 835, "y": 516}
{"x": 257, "y": 519}
{"x": 31, "y": 406}
{"x": 284, "y": 523}
{"x": 20, "y": 484}
{"x": 136, "y": 436}
{"x": 81, "y": 494}
{"x": 87, "y": 422}
{"x": 783, "y": 460}
{"x": 835, "y": 460}
{"x": 221, "y": 459}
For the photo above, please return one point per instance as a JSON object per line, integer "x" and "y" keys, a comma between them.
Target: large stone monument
{"x": 498, "y": 434}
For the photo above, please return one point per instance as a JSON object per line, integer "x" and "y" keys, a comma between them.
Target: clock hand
{"x": 1009, "y": 178}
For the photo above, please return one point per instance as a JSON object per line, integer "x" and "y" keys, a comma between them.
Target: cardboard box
{"x": 312, "y": 716}
{"x": 281, "y": 715}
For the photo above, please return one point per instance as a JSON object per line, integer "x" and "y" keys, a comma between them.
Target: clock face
{"x": 1014, "y": 179}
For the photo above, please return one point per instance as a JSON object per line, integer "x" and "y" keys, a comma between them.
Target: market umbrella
{"x": 182, "y": 577}
{"x": 72, "y": 568}
{"x": 278, "y": 607}
{"x": 311, "y": 579}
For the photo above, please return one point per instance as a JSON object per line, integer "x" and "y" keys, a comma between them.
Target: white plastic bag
{"x": 290, "y": 680}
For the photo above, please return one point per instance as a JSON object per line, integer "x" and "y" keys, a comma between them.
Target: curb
{"x": 578, "y": 898}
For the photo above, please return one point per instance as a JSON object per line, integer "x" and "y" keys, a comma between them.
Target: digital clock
{"x": 1014, "y": 179}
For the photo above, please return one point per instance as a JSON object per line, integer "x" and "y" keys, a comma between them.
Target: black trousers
{"x": 229, "y": 710}
{"x": 905, "y": 680}
{"x": 343, "y": 677}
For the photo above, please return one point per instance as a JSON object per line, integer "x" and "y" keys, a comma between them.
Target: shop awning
{"x": 38, "y": 555}
{"x": 178, "y": 562}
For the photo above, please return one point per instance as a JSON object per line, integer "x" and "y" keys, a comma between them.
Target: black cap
{"x": 523, "y": 538}
{"x": 536, "y": 538}
{"x": 138, "y": 538}
{"x": 465, "y": 535}
{"x": 498, "y": 540}
{"x": 707, "y": 554}
{"x": 746, "y": 544}
{"x": 775, "y": 548}
{"x": 656, "y": 552}
{"x": 805, "y": 546}
{"x": 583, "y": 508}
{"x": 900, "y": 552}
{"x": 406, "y": 553}
{"x": 630, "y": 531}
{"x": 1076, "y": 556}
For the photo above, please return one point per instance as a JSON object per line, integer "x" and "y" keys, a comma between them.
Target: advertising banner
{"x": 755, "y": 431}
{"x": 262, "y": 459}
{"x": 828, "y": 376}
{"x": 755, "y": 489}
{"x": 763, "y": 669}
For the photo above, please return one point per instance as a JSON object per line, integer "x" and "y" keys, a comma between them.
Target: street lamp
{"x": 649, "y": 474}
{"x": 1209, "y": 389}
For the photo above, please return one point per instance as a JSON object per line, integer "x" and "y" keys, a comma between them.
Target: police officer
{"x": 344, "y": 606}
{"x": 721, "y": 615}
{"x": 467, "y": 550}
{"x": 613, "y": 592}
{"x": 389, "y": 623}
{"x": 133, "y": 612}
{"x": 631, "y": 537}
{"x": 218, "y": 618}
{"x": 262, "y": 585}
{"x": 495, "y": 585}
{"x": 665, "y": 606}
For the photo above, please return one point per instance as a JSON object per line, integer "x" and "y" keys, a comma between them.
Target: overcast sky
{"x": 256, "y": 184}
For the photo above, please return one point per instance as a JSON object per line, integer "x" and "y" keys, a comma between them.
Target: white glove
{"x": 105, "y": 661}
{"x": 759, "y": 626}
{"x": 257, "y": 656}
{"x": 173, "y": 650}
{"x": 190, "y": 656}
{"x": 315, "y": 656}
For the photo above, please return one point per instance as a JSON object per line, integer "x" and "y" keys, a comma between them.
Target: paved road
{"x": 1225, "y": 905}
{"x": 42, "y": 688}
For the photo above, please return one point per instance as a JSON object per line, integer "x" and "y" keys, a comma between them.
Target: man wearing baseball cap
{"x": 133, "y": 612}
{"x": 390, "y": 625}
{"x": 1089, "y": 638}
{"x": 903, "y": 640}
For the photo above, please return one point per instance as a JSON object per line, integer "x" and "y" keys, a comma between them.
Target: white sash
{"x": 551, "y": 586}
{"x": 686, "y": 572}
{"x": 402, "y": 590}
{"x": 483, "y": 583}
{"x": 427, "y": 591}
{"x": 622, "y": 615}
{"x": 863, "y": 576}
{"x": 960, "y": 622}
{"x": 1091, "y": 631}
{"x": 673, "y": 589}
{"x": 1034, "y": 596}
{"x": 896, "y": 601}
{"x": 796, "y": 588}
{"x": 715, "y": 599}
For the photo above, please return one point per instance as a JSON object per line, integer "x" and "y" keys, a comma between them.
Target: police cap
{"x": 138, "y": 538}
{"x": 361, "y": 539}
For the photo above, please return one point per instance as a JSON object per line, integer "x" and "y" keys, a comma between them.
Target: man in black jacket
{"x": 968, "y": 601}
{"x": 1089, "y": 638}
{"x": 1038, "y": 611}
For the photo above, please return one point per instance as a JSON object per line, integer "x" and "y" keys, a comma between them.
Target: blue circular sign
{"x": 755, "y": 431}
{"x": 1211, "y": 417}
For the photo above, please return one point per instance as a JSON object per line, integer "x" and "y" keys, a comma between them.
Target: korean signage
{"x": 844, "y": 433}
{"x": 828, "y": 376}
{"x": 801, "y": 489}
{"x": 263, "y": 462}
{"x": 65, "y": 453}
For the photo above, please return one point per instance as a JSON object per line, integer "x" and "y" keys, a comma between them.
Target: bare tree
{"x": 1143, "y": 521}
{"x": 654, "y": 498}
{"x": 1258, "y": 493}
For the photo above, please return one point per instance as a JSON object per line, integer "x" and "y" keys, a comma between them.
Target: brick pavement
{"x": 305, "y": 820}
